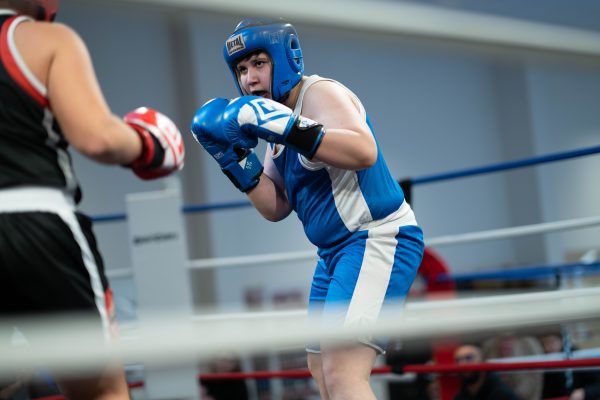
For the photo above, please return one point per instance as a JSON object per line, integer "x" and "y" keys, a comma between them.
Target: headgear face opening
{"x": 42, "y": 10}
{"x": 277, "y": 38}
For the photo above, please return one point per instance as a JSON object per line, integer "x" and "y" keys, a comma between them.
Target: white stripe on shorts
{"x": 374, "y": 276}
{"x": 56, "y": 201}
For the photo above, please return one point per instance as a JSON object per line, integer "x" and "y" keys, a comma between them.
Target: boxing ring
{"x": 170, "y": 344}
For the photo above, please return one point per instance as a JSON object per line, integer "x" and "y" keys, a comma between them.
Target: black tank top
{"x": 33, "y": 150}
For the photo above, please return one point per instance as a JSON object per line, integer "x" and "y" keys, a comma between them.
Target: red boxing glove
{"x": 162, "y": 145}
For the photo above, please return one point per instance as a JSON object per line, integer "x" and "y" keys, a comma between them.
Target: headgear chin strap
{"x": 276, "y": 37}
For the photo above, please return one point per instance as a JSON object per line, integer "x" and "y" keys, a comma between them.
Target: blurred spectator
{"x": 433, "y": 389}
{"x": 226, "y": 389}
{"x": 13, "y": 390}
{"x": 397, "y": 357}
{"x": 26, "y": 386}
{"x": 527, "y": 385}
{"x": 204, "y": 393}
{"x": 578, "y": 384}
{"x": 479, "y": 385}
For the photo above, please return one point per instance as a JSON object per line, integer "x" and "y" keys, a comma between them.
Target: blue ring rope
{"x": 548, "y": 158}
{"x": 524, "y": 273}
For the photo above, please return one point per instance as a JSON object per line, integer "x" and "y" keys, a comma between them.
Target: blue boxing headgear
{"x": 277, "y": 38}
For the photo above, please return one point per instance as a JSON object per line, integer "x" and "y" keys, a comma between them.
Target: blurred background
{"x": 448, "y": 85}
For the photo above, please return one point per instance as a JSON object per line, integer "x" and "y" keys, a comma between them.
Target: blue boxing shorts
{"x": 359, "y": 278}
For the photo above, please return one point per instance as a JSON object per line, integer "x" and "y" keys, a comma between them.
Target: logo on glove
{"x": 248, "y": 165}
{"x": 269, "y": 109}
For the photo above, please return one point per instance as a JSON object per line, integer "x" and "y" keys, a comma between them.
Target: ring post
{"x": 161, "y": 281}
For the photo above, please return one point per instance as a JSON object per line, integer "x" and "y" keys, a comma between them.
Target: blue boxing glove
{"x": 241, "y": 165}
{"x": 249, "y": 117}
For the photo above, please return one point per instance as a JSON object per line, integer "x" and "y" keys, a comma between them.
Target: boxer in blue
{"x": 324, "y": 163}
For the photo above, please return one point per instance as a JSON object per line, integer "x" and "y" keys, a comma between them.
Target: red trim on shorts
{"x": 109, "y": 303}
{"x": 113, "y": 325}
{"x": 13, "y": 68}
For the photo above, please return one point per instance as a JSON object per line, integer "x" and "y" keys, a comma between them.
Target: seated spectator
{"x": 527, "y": 384}
{"x": 577, "y": 384}
{"x": 479, "y": 385}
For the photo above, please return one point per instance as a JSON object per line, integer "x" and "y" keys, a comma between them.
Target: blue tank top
{"x": 332, "y": 203}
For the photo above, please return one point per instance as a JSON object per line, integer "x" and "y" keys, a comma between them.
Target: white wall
{"x": 565, "y": 99}
{"x": 128, "y": 56}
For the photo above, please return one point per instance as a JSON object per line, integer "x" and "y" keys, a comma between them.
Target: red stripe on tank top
{"x": 13, "y": 68}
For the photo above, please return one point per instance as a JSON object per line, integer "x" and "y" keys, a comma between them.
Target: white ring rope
{"x": 176, "y": 339}
{"x": 415, "y": 307}
{"x": 506, "y": 233}
{"x": 273, "y": 258}
{"x": 404, "y": 18}
{"x": 494, "y": 234}
{"x": 172, "y": 339}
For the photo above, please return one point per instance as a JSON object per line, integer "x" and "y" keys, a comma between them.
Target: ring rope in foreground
{"x": 169, "y": 339}
{"x": 419, "y": 369}
{"x": 409, "y": 368}
{"x": 418, "y": 308}
{"x": 503, "y": 366}
{"x": 545, "y": 362}
{"x": 557, "y": 361}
